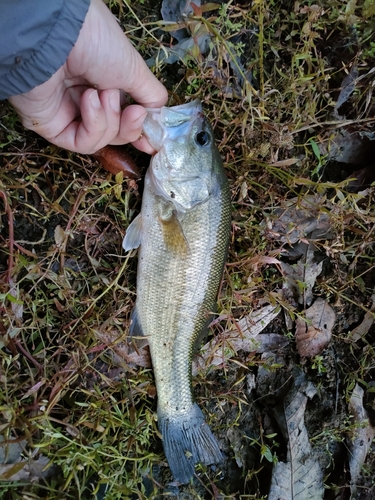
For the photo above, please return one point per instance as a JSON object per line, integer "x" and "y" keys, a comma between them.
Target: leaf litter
{"x": 244, "y": 337}
{"x": 368, "y": 320}
{"x": 314, "y": 332}
{"x": 16, "y": 465}
{"x": 360, "y": 440}
{"x": 300, "y": 476}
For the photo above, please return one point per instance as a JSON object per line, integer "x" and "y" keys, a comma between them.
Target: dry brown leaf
{"x": 348, "y": 145}
{"x": 245, "y": 338}
{"x": 259, "y": 260}
{"x": 214, "y": 353}
{"x": 60, "y": 236}
{"x": 361, "y": 439}
{"x": 252, "y": 324}
{"x": 300, "y": 277}
{"x": 285, "y": 163}
{"x": 314, "y": 334}
{"x": 298, "y": 219}
{"x": 235, "y": 437}
{"x": 369, "y": 319}
{"x": 139, "y": 356}
{"x": 300, "y": 477}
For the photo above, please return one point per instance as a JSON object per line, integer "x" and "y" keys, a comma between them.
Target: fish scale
{"x": 177, "y": 283}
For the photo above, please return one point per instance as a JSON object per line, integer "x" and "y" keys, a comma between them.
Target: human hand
{"x": 79, "y": 107}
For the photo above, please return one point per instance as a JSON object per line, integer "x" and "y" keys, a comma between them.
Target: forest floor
{"x": 288, "y": 88}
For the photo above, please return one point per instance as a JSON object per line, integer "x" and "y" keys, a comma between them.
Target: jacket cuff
{"x": 36, "y": 64}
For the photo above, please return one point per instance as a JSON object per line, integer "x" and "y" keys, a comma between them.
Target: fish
{"x": 182, "y": 233}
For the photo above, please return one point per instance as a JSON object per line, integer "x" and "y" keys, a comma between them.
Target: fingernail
{"x": 94, "y": 99}
{"x": 114, "y": 101}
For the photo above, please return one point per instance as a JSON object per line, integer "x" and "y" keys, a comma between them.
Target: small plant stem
{"x": 140, "y": 22}
{"x": 9, "y": 212}
{"x": 261, "y": 52}
{"x": 28, "y": 355}
{"x": 215, "y": 32}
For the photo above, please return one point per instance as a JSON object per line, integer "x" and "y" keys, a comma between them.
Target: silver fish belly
{"x": 183, "y": 232}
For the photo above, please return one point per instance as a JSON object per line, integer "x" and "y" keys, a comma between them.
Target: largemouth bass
{"x": 183, "y": 233}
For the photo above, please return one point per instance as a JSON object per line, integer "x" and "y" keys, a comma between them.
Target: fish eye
{"x": 203, "y": 138}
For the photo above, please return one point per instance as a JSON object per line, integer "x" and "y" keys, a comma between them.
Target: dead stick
{"x": 11, "y": 234}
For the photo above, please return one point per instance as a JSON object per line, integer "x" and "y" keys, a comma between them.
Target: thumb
{"x": 140, "y": 83}
{"x": 106, "y": 59}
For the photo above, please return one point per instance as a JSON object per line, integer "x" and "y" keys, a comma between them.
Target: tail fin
{"x": 187, "y": 440}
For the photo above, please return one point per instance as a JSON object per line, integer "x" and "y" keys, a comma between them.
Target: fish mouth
{"x": 187, "y": 109}
{"x": 171, "y": 124}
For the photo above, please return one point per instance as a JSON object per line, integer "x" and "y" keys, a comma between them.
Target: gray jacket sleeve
{"x": 36, "y": 37}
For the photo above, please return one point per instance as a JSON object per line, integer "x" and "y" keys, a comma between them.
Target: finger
{"x": 132, "y": 118}
{"x": 131, "y": 129}
{"x": 110, "y": 100}
{"x": 83, "y": 136}
{"x": 140, "y": 83}
{"x": 143, "y": 145}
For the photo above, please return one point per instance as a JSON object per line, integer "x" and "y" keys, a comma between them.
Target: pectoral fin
{"x": 173, "y": 233}
{"x": 133, "y": 234}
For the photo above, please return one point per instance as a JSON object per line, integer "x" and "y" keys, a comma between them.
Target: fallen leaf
{"x": 95, "y": 426}
{"x": 26, "y": 470}
{"x": 285, "y": 163}
{"x": 34, "y": 389}
{"x": 347, "y": 88}
{"x": 256, "y": 322}
{"x": 235, "y": 437}
{"x": 175, "y": 11}
{"x": 360, "y": 441}
{"x": 369, "y": 319}
{"x": 17, "y": 304}
{"x": 258, "y": 260}
{"x": 300, "y": 478}
{"x": 297, "y": 219}
{"x": 314, "y": 334}
{"x": 132, "y": 357}
{"x": 245, "y": 338}
{"x": 300, "y": 277}
{"x": 13, "y": 467}
{"x": 60, "y": 236}
{"x": 348, "y": 145}
{"x": 361, "y": 179}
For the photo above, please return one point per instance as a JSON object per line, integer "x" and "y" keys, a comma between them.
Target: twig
{"x": 336, "y": 124}
{"x": 11, "y": 235}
